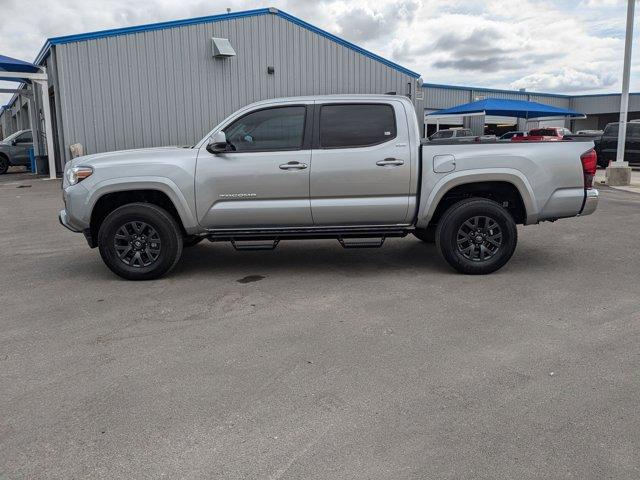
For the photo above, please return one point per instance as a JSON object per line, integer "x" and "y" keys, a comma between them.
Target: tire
{"x": 481, "y": 252}
{"x": 4, "y": 164}
{"x": 191, "y": 241}
{"x": 140, "y": 222}
{"x": 427, "y": 235}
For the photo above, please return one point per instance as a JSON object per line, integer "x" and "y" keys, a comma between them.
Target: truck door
{"x": 361, "y": 164}
{"x": 264, "y": 181}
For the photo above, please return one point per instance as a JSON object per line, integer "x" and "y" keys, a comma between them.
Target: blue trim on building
{"x": 492, "y": 90}
{"x": 602, "y": 94}
{"x": 215, "y": 18}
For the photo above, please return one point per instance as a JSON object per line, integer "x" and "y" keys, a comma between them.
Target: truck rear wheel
{"x": 140, "y": 241}
{"x": 476, "y": 236}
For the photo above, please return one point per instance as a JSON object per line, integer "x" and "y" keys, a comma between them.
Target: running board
{"x": 376, "y": 234}
{"x": 361, "y": 242}
{"x": 254, "y": 244}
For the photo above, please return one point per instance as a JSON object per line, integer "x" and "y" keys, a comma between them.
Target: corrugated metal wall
{"x": 163, "y": 87}
{"x": 595, "y": 104}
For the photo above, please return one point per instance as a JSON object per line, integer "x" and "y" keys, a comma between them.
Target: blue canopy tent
{"x": 8, "y": 64}
{"x": 507, "y": 108}
{"x": 14, "y": 70}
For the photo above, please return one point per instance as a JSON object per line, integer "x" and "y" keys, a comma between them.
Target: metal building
{"x": 169, "y": 83}
{"x": 600, "y": 109}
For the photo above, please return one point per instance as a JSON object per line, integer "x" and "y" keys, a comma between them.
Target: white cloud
{"x": 567, "y": 80}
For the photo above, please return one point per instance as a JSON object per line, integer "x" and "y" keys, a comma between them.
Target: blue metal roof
{"x": 509, "y": 108}
{"x": 8, "y": 64}
{"x": 44, "y": 51}
{"x": 495, "y": 90}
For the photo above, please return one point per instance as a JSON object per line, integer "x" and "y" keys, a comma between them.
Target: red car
{"x": 547, "y": 134}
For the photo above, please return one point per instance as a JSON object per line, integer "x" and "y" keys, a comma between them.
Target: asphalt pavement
{"x": 314, "y": 362}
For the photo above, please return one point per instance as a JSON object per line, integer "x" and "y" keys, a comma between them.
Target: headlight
{"x": 77, "y": 174}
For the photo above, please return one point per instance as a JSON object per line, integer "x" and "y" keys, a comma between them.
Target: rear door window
{"x": 356, "y": 125}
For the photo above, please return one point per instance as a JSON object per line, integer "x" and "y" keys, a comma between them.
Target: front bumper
{"x": 590, "y": 202}
{"x": 64, "y": 221}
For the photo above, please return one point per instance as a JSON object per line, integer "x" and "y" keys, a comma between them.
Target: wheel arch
{"x": 105, "y": 200}
{"x": 466, "y": 183}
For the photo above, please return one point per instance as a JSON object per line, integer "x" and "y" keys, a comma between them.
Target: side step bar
{"x": 268, "y": 239}
{"x": 311, "y": 232}
{"x": 254, "y": 244}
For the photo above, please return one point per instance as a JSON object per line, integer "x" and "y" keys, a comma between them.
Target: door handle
{"x": 293, "y": 166}
{"x": 389, "y": 161}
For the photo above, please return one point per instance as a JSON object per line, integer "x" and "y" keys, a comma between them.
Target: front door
{"x": 20, "y": 148}
{"x": 361, "y": 168}
{"x": 263, "y": 182}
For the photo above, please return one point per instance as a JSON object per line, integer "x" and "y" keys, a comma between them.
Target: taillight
{"x": 589, "y": 161}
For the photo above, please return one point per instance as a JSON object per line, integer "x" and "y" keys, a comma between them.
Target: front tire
{"x": 476, "y": 236}
{"x": 4, "y": 164}
{"x": 140, "y": 241}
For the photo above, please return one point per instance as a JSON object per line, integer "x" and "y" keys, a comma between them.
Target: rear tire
{"x": 427, "y": 235}
{"x": 476, "y": 236}
{"x": 140, "y": 241}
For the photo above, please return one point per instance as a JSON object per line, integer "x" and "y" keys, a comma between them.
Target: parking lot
{"x": 316, "y": 362}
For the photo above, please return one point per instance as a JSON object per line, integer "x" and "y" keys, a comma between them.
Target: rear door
{"x": 361, "y": 166}
{"x": 632, "y": 150}
{"x": 264, "y": 181}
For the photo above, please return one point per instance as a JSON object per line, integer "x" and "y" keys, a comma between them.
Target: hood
{"x": 128, "y": 156}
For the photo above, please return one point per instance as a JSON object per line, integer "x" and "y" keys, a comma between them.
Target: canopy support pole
{"x": 48, "y": 126}
{"x": 619, "y": 172}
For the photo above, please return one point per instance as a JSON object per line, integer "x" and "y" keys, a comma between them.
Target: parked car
{"x": 607, "y": 147}
{"x": 357, "y": 173}
{"x": 509, "y": 135}
{"x": 14, "y": 150}
{"x": 459, "y": 135}
{"x": 547, "y": 134}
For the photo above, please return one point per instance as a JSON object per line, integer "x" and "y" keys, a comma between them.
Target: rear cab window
{"x": 356, "y": 125}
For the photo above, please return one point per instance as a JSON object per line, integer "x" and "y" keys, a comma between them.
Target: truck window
{"x": 24, "y": 138}
{"x": 611, "y": 130}
{"x": 279, "y": 128}
{"x": 356, "y": 125}
{"x": 633, "y": 130}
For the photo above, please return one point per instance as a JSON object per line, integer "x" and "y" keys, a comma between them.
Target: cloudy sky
{"x": 550, "y": 46}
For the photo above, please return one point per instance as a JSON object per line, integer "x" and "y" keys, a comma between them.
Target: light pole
{"x": 619, "y": 172}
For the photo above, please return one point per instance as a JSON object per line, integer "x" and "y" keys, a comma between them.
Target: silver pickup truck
{"x": 348, "y": 167}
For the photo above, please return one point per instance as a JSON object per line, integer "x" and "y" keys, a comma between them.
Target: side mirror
{"x": 13, "y": 142}
{"x": 218, "y": 143}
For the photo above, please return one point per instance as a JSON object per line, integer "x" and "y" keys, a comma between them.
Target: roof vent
{"x": 222, "y": 48}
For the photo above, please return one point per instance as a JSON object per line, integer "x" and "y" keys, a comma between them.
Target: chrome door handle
{"x": 293, "y": 166}
{"x": 389, "y": 161}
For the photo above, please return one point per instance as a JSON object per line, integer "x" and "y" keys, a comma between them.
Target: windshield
{"x": 543, "y": 132}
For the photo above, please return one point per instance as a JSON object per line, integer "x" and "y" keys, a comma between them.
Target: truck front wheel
{"x": 140, "y": 241}
{"x": 476, "y": 236}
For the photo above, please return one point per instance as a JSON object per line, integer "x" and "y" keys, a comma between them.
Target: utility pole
{"x": 619, "y": 172}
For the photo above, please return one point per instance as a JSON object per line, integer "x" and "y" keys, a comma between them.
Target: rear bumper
{"x": 590, "y": 202}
